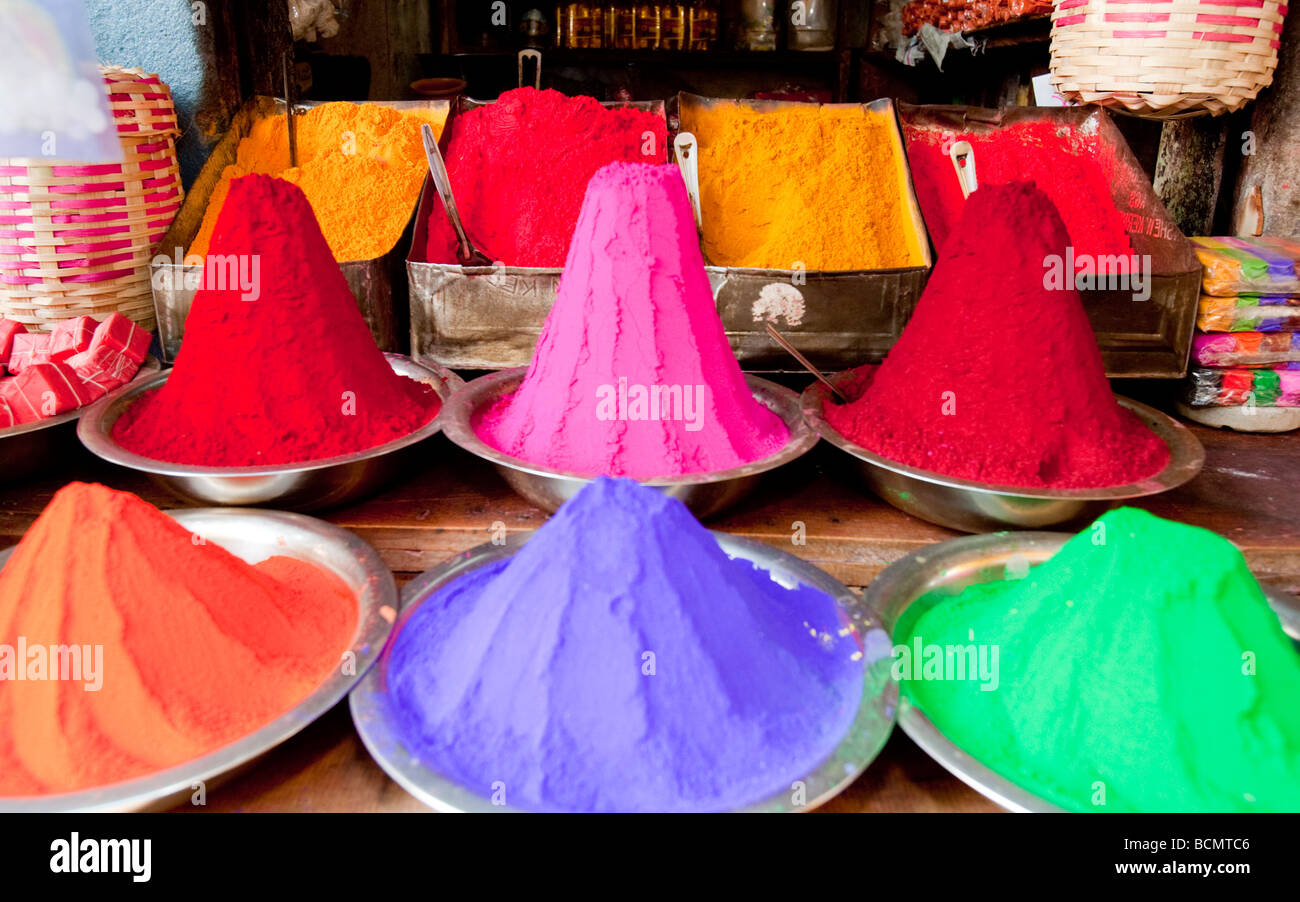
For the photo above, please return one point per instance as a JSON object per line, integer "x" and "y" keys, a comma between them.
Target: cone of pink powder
{"x": 633, "y": 375}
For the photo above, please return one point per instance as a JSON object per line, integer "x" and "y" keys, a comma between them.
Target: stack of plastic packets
{"x": 1246, "y": 351}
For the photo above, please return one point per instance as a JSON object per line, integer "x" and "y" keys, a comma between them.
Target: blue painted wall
{"x": 160, "y": 36}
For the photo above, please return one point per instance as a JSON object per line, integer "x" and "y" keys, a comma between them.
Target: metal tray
{"x": 951, "y": 566}
{"x": 486, "y": 318}
{"x": 864, "y": 740}
{"x": 379, "y": 284}
{"x": 255, "y": 536}
{"x": 971, "y": 506}
{"x": 306, "y": 486}
{"x": 1138, "y": 340}
{"x": 28, "y": 448}
{"x": 704, "y": 494}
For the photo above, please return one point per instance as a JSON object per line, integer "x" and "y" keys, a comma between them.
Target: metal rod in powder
{"x": 781, "y": 340}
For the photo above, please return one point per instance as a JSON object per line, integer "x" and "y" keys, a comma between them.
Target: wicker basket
{"x": 78, "y": 239}
{"x": 1165, "y": 59}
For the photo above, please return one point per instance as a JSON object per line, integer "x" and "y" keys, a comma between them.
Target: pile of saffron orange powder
{"x": 360, "y": 165}
{"x": 198, "y": 648}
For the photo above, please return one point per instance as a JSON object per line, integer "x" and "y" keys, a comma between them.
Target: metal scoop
{"x": 466, "y": 253}
{"x": 290, "y": 115}
{"x": 963, "y": 161}
{"x": 685, "y": 151}
{"x": 536, "y": 57}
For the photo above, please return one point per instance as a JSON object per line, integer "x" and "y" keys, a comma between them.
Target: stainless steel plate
{"x": 970, "y": 506}
{"x": 303, "y": 487}
{"x": 866, "y": 736}
{"x": 32, "y": 447}
{"x": 950, "y": 567}
{"x": 255, "y": 536}
{"x": 704, "y": 494}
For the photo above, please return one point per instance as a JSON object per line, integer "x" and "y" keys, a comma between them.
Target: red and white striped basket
{"x": 1165, "y": 59}
{"x": 76, "y": 238}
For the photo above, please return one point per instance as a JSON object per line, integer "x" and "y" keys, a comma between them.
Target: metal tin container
{"x": 971, "y": 506}
{"x": 837, "y": 319}
{"x": 950, "y": 567}
{"x": 704, "y": 494}
{"x": 485, "y": 318}
{"x": 472, "y": 317}
{"x": 379, "y": 284}
{"x": 255, "y": 536}
{"x": 313, "y": 485}
{"x": 867, "y": 734}
{"x": 29, "y": 448}
{"x": 1138, "y": 339}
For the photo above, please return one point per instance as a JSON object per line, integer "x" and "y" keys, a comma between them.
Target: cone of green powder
{"x": 1140, "y": 669}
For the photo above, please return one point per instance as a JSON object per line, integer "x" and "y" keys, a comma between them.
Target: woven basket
{"x": 1165, "y": 59}
{"x": 77, "y": 239}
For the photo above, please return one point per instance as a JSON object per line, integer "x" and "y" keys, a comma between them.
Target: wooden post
{"x": 1189, "y": 172}
{"x": 1267, "y": 195}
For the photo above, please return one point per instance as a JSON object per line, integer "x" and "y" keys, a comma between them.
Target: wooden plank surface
{"x": 327, "y": 769}
{"x": 1249, "y": 492}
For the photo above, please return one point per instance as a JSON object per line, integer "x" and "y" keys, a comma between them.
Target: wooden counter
{"x": 1248, "y": 492}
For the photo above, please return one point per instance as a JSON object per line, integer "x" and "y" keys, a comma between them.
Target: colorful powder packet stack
{"x": 1237, "y": 386}
{"x": 1248, "y": 313}
{"x": 1251, "y": 349}
{"x": 1249, "y": 266}
{"x": 633, "y": 375}
{"x": 621, "y": 661}
{"x": 1249, "y": 316}
{"x": 179, "y": 647}
{"x": 1140, "y": 669}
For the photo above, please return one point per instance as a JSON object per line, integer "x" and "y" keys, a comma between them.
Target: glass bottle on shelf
{"x": 582, "y": 26}
{"x": 702, "y": 26}
{"x": 757, "y": 25}
{"x": 672, "y": 26}
{"x": 609, "y": 32}
{"x": 619, "y": 25}
{"x": 812, "y": 25}
{"x": 646, "y": 25}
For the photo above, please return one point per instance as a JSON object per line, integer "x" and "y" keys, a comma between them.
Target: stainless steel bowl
{"x": 307, "y": 486}
{"x": 255, "y": 536}
{"x": 32, "y": 447}
{"x": 866, "y": 736}
{"x": 704, "y": 494}
{"x": 970, "y": 506}
{"x": 950, "y": 567}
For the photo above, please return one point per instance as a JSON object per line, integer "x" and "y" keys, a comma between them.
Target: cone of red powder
{"x": 278, "y": 367}
{"x": 998, "y": 378}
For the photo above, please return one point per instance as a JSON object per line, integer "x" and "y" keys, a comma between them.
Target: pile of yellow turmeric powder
{"x": 361, "y": 167}
{"x": 812, "y": 187}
